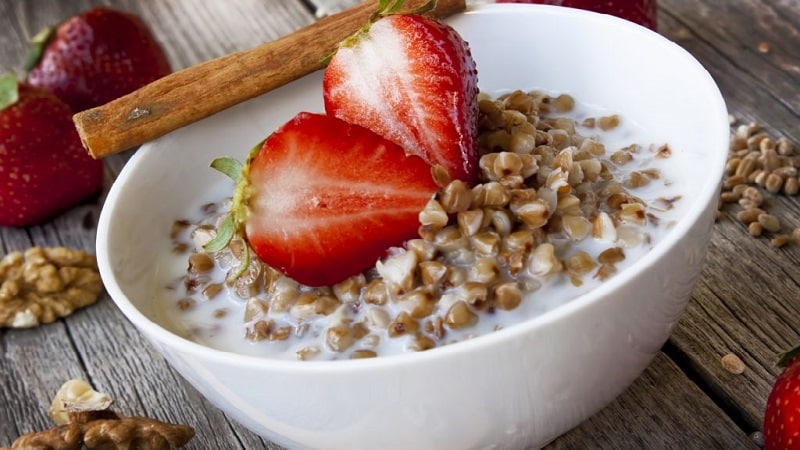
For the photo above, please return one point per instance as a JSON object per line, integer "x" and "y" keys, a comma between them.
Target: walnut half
{"x": 125, "y": 433}
{"x": 45, "y": 284}
{"x": 85, "y": 420}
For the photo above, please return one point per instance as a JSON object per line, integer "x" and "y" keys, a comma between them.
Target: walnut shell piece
{"x": 76, "y": 396}
{"x": 45, "y": 284}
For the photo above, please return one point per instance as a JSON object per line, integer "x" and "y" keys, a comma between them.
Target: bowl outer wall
{"x": 520, "y": 386}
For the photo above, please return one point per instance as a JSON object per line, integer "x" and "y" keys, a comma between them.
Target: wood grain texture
{"x": 97, "y": 343}
{"x": 746, "y": 301}
{"x": 695, "y": 422}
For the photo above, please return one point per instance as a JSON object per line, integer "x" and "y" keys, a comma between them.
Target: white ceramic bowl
{"x": 518, "y": 387}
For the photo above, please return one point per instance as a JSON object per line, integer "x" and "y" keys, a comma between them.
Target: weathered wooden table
{"x": 745, "y": 303}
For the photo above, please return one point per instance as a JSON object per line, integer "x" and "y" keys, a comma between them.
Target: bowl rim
{"x": 175, "y": 342}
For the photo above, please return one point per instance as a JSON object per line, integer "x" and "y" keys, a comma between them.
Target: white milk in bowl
{"x": 569, "y": 196}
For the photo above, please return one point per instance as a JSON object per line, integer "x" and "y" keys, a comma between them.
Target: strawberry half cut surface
{"x": 322, "y": 199}
{"x": 412, "y": 80}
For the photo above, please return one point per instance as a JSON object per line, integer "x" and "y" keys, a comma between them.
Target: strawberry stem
{"x": 9, "y": 90}
{"x": 787, "y": 357}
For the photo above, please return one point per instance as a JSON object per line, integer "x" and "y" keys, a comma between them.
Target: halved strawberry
{"x": 412, "y": 80}
{"x": 322, "y": 199}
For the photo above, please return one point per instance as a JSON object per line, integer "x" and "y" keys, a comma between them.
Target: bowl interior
{"x": 600, "y": 60}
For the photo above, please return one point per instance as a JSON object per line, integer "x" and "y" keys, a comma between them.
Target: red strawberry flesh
{"x": 327, "y": 199}
{"x": 413, "y": 81}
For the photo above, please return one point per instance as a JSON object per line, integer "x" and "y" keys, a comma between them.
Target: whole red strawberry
{"x": 412, "y": 80}
{"x": 643, "y": 12}
{"x": 323, "y": 199}
{"x": 44, "y": 169}
{"x": 782, "y": 415}
{"x": 95, "y": 57}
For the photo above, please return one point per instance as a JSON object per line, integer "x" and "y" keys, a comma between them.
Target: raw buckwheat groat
{"x": 567, "y": 197}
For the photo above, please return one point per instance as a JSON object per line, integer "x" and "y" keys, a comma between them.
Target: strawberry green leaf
{"x": 384, "y": 6}
{"x": 244, "y": 266}
{"x": 389, "y": 7}
{"x": 9, "y": 90}
{"x": 228, "y": 166}
{"x": 224, "y": 235}
{"x": 422, "y": 9}
{"x": 395, "y": 7}
{"x": 36, "y": 47}
{"x": 325, "y": 60}
{"x": 787, "y": 357}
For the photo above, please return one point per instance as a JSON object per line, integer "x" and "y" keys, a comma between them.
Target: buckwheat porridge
{"x": 570, "y": 195}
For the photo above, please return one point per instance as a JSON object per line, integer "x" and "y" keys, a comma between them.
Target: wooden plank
{"x": 34, "y": 365}
{"x": 743, "y": 304}
{"x": 97, "y": 343}
{"x": 123, "y": 364}
{"x": 758, "y": 86}
{"x": 665, "y": 401}
{"x": 190, "y": 31}
{"x": 746, "y": 301}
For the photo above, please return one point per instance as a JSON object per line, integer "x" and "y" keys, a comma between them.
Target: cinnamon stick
{"x": 194, "y": 93}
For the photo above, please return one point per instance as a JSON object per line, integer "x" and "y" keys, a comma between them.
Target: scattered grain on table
{"x": 759, "y": 168}
{"x": 733, "y": 364}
